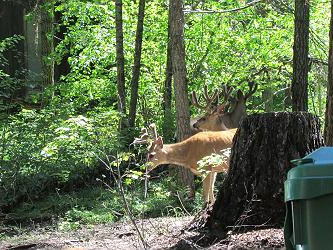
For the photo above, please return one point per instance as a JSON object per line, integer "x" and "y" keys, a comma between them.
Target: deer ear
{"x": 159, "y": 142}
{"x": 240, "y": 94}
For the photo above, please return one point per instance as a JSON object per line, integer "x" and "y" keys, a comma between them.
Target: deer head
{"x": 155, "y": 154}
{"x": 209, "y": 120}
{"x": 222, "y": 120}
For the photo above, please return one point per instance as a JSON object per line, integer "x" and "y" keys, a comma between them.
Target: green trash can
{"x": 309, "y": 202}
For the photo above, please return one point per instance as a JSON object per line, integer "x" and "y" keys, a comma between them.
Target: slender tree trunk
{"x": 329, "y": 103}
{"x": 63, "y": 68}
{"x": 180, "y": 83}
{"x": 120, "y": 62}
{"x": 47, "y": 45}
{"x": 137, "y": 64}
{"x": 267, "y": 96}
{"x": 252, "y": 194}
{"x": 300, "y": 59}
{"x": 287, "y": 102}
{"x": 167, "y": 95}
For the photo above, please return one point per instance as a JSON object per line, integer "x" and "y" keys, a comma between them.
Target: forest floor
{"x": 159, "y": 233}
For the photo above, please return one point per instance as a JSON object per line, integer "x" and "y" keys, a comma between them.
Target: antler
{"x": 253, "y": 88}
{"x": 147, "y": 137}
{"x": 154, "y": 130}
{"x": 225, "y": 92}
{"x": 207, "y": 98}
{"x": 144, "y": 137}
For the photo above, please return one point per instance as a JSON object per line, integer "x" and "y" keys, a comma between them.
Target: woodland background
{"x": 65, "y": 114}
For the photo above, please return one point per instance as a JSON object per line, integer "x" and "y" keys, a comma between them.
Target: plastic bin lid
{"x": 312, "y": 177}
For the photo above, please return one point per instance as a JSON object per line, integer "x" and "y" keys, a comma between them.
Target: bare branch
{"x": 253, "y": 88}
{"x": 222, "y": 11}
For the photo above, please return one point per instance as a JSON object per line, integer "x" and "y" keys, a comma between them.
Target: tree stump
{"x": 252, "y": 194}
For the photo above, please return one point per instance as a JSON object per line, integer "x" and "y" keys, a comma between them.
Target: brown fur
{"x": 221, "y": 120}
{"x": 188, "y": 152}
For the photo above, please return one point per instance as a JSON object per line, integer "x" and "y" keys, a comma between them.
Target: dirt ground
{"x": 159, "y": 233}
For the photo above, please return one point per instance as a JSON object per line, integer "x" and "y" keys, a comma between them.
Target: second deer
{"x": 219, "y": 119}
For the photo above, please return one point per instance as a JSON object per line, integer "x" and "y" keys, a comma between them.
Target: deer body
{"x": 188, "y": 152}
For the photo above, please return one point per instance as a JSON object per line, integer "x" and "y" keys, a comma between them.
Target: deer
{"x": 187, "y": 153}
{"x": 210, "y": 105}
{"x": 220, "y": 119}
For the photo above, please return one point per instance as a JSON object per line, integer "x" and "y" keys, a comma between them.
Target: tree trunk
{"x": 264, "y": 145}
{"x": 267, "y": 96}
{"x": 300, "y": 59}
{"x": 287, "y": 102}
{"x": 12, "y": 22}
{"x": 137, "y": 64}
{"x": 63, "y": 68}
{"x": 180, "y": 83}
{"x": 120, "y": 63}
{"x": 167, "y": 95}
{"x": 47, "y": 45}
{"x": 329, "y": 103}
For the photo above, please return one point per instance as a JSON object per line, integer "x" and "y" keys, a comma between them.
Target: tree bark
{"x": 264, "y": 145}
{"x": 267, "y": 96}
{"x": 300, "y": 59}
{"x": 287, "y": 102}
{"x": 47, "y": 45}
{"x": 329, "y": 102}
{"x": 180, "y": 83}
{"x": 11, "y": 22}
{"x": 137, "y": 64}
{"x": 63, "y": 68}
{"x": 120, "y": 62}
{"x": 167, "y": 95}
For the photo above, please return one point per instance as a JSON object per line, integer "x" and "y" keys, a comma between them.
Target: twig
{"x": 181, "y": 203}
{"x": 222, "y": 11}
{"x": 190, "y": 244}
{"x": 146, "y": 184}
{"x": 318, "y": 61}
{"x": 249, "y": 225}
{"x": 269, "y": 99}
{"x": 120, "y": 185}
{"x": 118, "y": 181}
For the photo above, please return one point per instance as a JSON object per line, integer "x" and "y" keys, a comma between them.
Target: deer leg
{"x": 211, "y": 187}
{"x": 205, "y": 189}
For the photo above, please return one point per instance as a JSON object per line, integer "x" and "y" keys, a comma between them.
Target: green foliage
{"x": 40, "y": 151}
{"x": 213, "y": 160}
{"x": 10, "y": 86}
{"x": 97, "y": 205}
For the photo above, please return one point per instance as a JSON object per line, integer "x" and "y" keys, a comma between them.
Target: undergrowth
{"x": 99, "y": 205}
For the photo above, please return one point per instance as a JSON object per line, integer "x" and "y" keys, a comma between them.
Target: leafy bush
{"x": 43, "y": 150}
{"x": 96, "y": 205}
{"x": 10, "y": 86}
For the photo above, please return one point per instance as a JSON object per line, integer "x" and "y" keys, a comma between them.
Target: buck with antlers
{"x": 220, "y": 119}
{"x": 188, "y": 152}
{"x": 210, "y": 105}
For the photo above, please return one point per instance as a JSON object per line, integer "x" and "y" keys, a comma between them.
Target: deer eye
{"x": 151, "y": 155}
